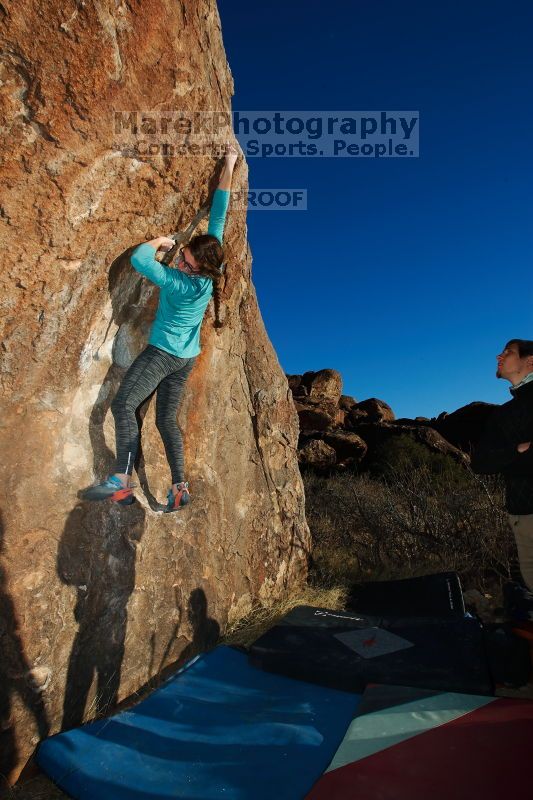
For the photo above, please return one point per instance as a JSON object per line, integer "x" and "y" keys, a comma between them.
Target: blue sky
{"x": 406, "y": 275}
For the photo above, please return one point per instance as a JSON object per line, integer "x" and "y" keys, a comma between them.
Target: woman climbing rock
{"x": 173, "y": 346}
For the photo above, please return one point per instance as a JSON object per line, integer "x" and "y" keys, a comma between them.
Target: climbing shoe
{"x": 182, "y": 497}
{"x": 111, "y": 489}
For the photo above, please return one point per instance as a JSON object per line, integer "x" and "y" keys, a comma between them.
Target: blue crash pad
{"x": 217, "y": 728}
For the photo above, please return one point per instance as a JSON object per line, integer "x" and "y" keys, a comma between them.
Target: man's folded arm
{"x": 523, "y": 465}
{"x": 493, "y": 453}
{"x": 488, "y": 459}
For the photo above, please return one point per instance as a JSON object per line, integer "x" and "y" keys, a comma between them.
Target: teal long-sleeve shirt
{"x": 183, "y": 298}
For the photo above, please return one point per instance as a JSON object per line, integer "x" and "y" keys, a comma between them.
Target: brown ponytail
{"x": 217, "y": 303}
{"x": 209, "y": 255}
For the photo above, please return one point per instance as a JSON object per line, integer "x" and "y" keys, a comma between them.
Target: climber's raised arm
{"x": 219, "y": 205}
{"x": 143, "y": 257}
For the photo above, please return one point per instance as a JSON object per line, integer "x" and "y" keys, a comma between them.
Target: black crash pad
{"x": 346, "y": 651}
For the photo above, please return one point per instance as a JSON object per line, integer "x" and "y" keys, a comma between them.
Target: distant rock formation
{"x": 338, "y": 432}
{"x": 94, "y": 598}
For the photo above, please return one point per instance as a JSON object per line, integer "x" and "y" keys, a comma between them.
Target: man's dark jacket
{"x": 510, "y": 425}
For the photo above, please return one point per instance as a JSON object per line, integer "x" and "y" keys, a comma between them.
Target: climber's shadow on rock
{"x": 96, "y": 556}
{"x": 16, "y": 677}
{"x": 205, "y": 635}
{"x": 205, "y": 629}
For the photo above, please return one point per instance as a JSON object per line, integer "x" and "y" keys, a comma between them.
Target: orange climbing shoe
{"x": 111, "y": 489}
{"x": 182, "y": 498}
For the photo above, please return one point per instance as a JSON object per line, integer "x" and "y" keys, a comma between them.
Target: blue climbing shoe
{"x": 111, "y": 489}
{"x": 182, "y": 498}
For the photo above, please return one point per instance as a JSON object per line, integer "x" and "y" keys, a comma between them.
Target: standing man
{"x": 507, "y": 447}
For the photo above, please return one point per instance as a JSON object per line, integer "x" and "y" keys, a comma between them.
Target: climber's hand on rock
{"x": 162, "y": 243}
{"x": 166, "y": 243}
{"x": 523, "y": 447}
{"x": 231, "y": 155}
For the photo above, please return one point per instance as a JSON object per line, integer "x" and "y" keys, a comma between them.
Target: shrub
{"x": 402, "y": 452}
{"x": 407, "y": 522}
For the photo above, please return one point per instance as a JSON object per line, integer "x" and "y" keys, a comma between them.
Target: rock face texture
{"x": 95, "y": 598}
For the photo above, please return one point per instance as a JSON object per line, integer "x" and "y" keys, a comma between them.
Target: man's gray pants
{"x": 522, "y": 525}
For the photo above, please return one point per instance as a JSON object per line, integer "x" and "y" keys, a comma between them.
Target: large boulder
{"x": 315, "y": 414}
{"x": 347, "y": 402}
{"x": 317, "y": 454}
{"x": 376, "y": 410}
{"x": 324, "y": 385}
{"x": 316, "y": 398}
{"x": 97, "y": 598}
{"x": 355, "y": 417}
{"x": 347, "y": 445}
{"x": 295, "y": 385}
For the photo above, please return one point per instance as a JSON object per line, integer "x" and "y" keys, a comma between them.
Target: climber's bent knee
{"x": 120, "y": 405}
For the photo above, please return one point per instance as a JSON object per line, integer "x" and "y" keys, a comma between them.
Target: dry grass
{"x": 244, "y": 632}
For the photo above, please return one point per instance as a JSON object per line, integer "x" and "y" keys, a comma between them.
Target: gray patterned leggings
{"x": 152, "y": 369}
